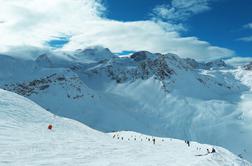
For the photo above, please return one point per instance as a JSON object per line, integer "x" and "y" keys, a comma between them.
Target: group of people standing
{"x": 208, "y": 150}
{"x": 153, "y": 140}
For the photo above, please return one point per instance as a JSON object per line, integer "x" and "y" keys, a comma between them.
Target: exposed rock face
{"x": 248, "y": 66}
{"x": 32, "y": 87}
{"x": 216, "y": 64}
{"x": 37, "y": 86}
{"x": 143, "y": 55}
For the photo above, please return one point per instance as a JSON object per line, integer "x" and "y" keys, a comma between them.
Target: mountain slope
{"x": 161, "y": 95}
{"x": 25, "y": 140}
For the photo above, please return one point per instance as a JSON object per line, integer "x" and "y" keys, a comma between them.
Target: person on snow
{"x": 208, "y": 151}
{"x": 50, "y": 127}
{"x": 154, "y": 141}
{"x": 213, "y": 150}
{"x": 188, "y": 143}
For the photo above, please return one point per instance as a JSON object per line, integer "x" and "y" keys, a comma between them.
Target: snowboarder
{"x": 49, "y": 127}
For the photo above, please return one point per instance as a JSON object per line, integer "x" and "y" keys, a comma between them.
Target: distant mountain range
{"x": 157, "y": 94}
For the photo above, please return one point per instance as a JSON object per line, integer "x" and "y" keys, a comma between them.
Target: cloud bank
{"x": 248, "y": 26}
{"x": 238, "y": 61}
{"x": 180, "y": 10}
{"x": 246, "y": 38}
{"x": 35, "y": 22}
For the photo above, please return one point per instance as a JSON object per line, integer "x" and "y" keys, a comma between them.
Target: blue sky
{"x": 222, "y": 25}
{"x": 58, "y": 42}
{"x": 201, "y": 29}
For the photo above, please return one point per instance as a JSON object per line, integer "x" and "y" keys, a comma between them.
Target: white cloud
{"x": 249, "y": 26}
{"x": 238, "y": 61}
{"x": 179, "y": 10}
{"x": 145, "y": 35}
{"x": 34, "y": 22}
{"x": 246, "y": 39}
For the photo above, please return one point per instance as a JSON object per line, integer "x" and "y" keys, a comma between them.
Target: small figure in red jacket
{"x": 50, "y": 127}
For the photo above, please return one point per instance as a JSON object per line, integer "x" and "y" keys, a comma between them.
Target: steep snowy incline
{"x": 25, "y": 140}
{"x": 155, "y": 94}
{"x": 246, "y": 98}
{"x": 186, "y": 103}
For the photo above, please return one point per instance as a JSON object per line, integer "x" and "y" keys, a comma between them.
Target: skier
{"x": 154, "y": 141}
{"x": 49, "y": 127}
{"x": 188, "y": 143}
{"x": 208, "y": 151}
{"x": 213, "y": 150}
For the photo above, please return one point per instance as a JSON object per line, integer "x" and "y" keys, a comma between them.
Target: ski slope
{"x": 161, "y": 95}
{"x": 25, "y": 140}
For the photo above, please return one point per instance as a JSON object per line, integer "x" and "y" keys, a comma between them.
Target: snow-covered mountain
{"x": 248, "y": 66}
{"x": 162, "y": 95}
{"x": 25, "y": 140}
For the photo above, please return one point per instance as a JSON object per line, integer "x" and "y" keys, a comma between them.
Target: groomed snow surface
{"x": 25, "y": 140}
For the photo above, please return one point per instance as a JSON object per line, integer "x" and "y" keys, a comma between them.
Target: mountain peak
{"x": 216, "y": 63}
{"x": 143, "y": 55}
{"x": 96, "y": 53}
{"x": 44, "y": 60}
